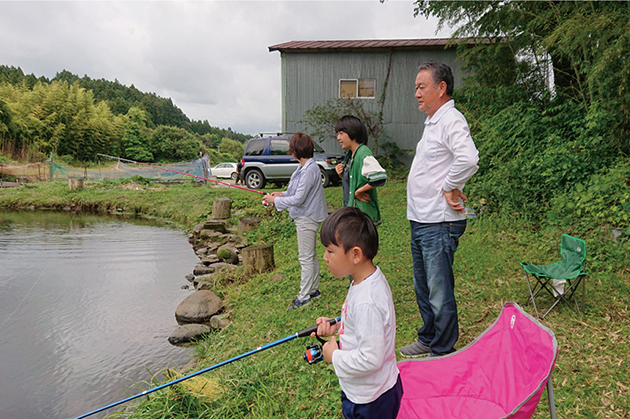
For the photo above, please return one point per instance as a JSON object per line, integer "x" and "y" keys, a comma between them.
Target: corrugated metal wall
{"x": 311, "y": 79}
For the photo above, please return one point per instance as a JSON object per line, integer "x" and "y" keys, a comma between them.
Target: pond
{"x": 86, "y": 306}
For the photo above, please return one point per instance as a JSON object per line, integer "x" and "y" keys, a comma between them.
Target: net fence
{"x": 52, "y": 170}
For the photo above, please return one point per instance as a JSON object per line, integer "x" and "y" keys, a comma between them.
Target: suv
{"x": 266, "y": 158}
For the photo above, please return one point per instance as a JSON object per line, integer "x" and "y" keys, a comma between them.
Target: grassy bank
{"x": 591, "y": 379}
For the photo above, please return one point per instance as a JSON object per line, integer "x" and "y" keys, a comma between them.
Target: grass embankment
{"x": 592, "y": 376}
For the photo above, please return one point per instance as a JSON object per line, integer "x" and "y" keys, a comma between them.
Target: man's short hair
{"x": 352, "y": 126}
{"x": 301, "y": 146}
{"x": 440, "y": 72}
{"x": 349, "y": 227}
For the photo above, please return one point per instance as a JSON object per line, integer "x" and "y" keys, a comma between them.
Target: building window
{"x": 361, "y": 88}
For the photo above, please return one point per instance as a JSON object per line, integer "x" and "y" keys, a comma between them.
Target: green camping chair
{"x": 560, "y": 279}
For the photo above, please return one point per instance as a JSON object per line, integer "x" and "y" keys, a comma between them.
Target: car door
{"x": 281, "y": 163}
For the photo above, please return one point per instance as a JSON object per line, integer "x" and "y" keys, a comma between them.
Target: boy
{"x": 364, "y": 360}
{"x": 360, "y": 171}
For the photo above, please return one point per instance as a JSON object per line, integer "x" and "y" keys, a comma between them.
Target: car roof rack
{"x": 277, "y": 134}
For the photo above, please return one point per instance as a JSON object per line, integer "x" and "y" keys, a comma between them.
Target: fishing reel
{"x": 314, "y": 353}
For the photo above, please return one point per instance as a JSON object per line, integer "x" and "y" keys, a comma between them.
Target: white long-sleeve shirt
{"x": 446, "y": 157}
{"x": 366, "y": 364}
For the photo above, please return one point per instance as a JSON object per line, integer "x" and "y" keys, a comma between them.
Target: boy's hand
{"x": 324, "y": 328}
{"x": 328, "y": 349}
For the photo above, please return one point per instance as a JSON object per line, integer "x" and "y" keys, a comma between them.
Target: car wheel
{"x": 254, "y": 179}
{"x": 234, "y": 176}
{"x": 325, "y": 178}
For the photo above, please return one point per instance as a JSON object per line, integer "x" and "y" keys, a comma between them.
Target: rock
{"x": 190, "y": 277}
{"x": 198, "y": 307}
{"x": 247, "y": 224}
{"x": 219, "y": 322}
{"x": 218, "y": 266}
{"x": 201, "y": 251}
{"x": 211, "y": 235}
{"x": 188, "y": 333}
{"x": 204, "y": 285}
{"x": 202, "y": 269}
{"x": 207, "y": 260}
{"x": 228, "y": 254}
{"x": 215, "y": 226}
{"x": 196, "y": 229}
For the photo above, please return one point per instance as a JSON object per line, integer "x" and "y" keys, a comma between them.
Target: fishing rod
{"x": 300, "y": 334}
{"x": 184, "y": 173}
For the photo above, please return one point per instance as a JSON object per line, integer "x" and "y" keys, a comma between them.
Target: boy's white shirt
{"x": 366, "y": 364}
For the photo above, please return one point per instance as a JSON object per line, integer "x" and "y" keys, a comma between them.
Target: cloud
{"x": 210, "y": 57}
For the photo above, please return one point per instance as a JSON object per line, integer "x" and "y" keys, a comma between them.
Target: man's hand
{"x": 453, "y": 201}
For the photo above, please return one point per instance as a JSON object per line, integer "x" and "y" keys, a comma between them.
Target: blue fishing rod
{"x": 300, "y": 334}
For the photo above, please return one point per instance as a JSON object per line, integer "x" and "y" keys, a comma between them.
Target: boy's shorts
{"x": 385, "y": 407}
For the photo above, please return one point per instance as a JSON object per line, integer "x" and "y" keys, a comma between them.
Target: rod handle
{"x": 307, "y": 332}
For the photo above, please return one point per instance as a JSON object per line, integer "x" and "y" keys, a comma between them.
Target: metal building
{"x": 314, "y": 72}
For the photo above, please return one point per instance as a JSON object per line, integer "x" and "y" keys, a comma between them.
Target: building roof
{"x": 359, "y": 45}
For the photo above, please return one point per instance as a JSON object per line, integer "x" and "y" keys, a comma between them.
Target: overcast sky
{"x": 210, "y": 57}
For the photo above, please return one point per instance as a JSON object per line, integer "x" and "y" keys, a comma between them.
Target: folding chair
{"x": 503, "y": 373}
{"x": 560, "y": 279}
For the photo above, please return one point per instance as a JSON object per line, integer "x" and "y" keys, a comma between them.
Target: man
{"x": 446, "y": 157}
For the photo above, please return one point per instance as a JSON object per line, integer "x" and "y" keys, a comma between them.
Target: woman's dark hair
{"x": 352, "y": 126}
{"x": 349, "y": 227}
{"x": 301, "y": 146}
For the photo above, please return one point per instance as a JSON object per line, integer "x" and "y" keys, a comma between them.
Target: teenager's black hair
{"x": 349, "y": 227}
{"x": 352, "y": 126}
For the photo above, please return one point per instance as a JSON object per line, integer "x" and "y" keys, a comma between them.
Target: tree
{"x": 320, "y": 119}
{"x": 134, "y": 142}
{"x": 584, "y": 42}
{"x": 232, "y": 148}
{"x": 174, "y": 144}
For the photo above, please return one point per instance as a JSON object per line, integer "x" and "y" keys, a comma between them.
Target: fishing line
{"x": 300, "y": 334}
{"x": 34, "y": 284}
{"x": 183, "y": 173}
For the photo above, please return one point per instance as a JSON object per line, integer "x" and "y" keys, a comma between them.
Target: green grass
{"x": 591, "y": 379}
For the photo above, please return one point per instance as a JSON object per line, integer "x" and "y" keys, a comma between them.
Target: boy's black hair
{"x": 352, "y": 126}
{"x": 348, "y": 227}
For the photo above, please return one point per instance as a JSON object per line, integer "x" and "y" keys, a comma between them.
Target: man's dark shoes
{"x": 415, "y": 350}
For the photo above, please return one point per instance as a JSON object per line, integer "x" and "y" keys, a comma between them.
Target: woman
{"x": 304, "y": 198}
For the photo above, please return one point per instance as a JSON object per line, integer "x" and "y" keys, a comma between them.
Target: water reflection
{"x": 86, "y": 306}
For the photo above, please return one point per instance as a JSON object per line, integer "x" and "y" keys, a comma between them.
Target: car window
{"x": 255, "y": 148}
{"x": 317, "y": 148}
{"x": 279, "y": 147}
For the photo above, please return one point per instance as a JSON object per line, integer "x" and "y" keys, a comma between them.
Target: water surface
{"x": 86, "y": 306}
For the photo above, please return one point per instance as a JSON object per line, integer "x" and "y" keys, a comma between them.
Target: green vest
{"x": 357, "y": 180}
